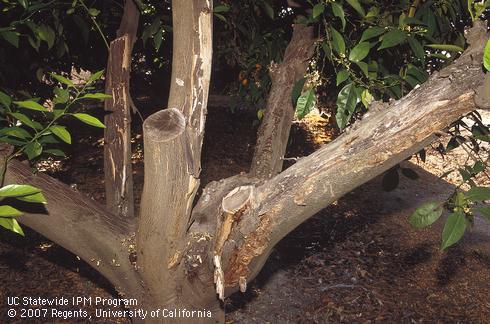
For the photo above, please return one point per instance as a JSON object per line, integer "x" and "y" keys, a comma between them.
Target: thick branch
{"x": 273, "y": 133}
{"x": 375, "y": 144}
{"x": 81, "y": 226}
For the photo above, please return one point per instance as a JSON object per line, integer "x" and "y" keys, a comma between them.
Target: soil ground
{"x": 356, "y": 261}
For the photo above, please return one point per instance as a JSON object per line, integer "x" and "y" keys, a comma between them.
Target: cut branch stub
{"x": 164, "y": 125}
{"x": 166, "y": 202}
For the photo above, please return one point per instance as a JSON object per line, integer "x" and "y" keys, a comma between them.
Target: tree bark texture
{"x": 117, "y": 134}
{"x": 388, "y": 134}
{"x": 274, "y": 130}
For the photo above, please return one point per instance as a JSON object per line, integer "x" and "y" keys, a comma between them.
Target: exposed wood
{"x": 117, "y": 134}
{"x": 81, "y": 226}
{"x": 375, "y": 144}
{"x": 274, "y": 130}
{"x": 118, "y": 170}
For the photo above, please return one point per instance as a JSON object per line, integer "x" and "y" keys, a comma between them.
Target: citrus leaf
{"x": 16, "y": 190}
{"x": 338, "y": 11}
{"x": 318, "y": 10}
{"x": 453, "y": 229}
{"x": 34, "y": 198}
{"x": 33, "y": 149}
{"x": 9, "y": 211}
{"x": 342, "y": 76}
{"x": 357, "y": 7}
{"x": 12, "y": 225}
{"x": 372, "y": 32}
{"x": 446, "y": 47}
{"x": 62, "y": 79}
{"x": 478, "y": 193}
{"x": 61, "y": 132}
{"x": 221, "y": 8}
{"x": 5, "y": 100}
{"x": 392, "y": 38}
{"x": 347, "y": 101}
{"x": 87, "y": 119}
{"x": 298, "y": 87}
{"x": 338, "y": 41}
{"x": 99, "y": 96}
{"x": 359, "y": 52}
{"x": 485, "y": 211}
{"x": 11, "y": 37}
{"x": 305, "y": 103}
{"x": 425, "y": 215}
{"x": 55, "y": 152}
{"x": 417, "y": 48}
{"x": 29, "y": 104}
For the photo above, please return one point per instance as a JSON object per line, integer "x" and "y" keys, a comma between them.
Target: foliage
{"x": 32, "y": 128}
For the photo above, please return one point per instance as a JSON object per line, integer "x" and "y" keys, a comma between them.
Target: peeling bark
{"x": 373, "y": 145}
{"x": 117, "y": 134}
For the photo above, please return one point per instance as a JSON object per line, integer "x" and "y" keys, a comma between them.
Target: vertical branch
{"x": 117, "y": 135}
{"x": 273, "y": 133}
{"x": 173, "y": 139}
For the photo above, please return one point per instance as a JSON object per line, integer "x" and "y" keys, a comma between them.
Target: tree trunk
{"x": 118, "y": 170}
{"x": 237, "y": 220}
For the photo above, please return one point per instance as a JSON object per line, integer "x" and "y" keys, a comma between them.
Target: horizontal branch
{"x": 382, "y": 139}
{"x": 80, "y": 225}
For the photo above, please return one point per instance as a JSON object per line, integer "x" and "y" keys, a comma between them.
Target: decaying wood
{"x": 118, "y": 170}
{"x": 375, "y": 144}
{"x": 274, "y": 130}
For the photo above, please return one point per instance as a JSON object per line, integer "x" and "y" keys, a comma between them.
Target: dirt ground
{"x": 356, "y": 261}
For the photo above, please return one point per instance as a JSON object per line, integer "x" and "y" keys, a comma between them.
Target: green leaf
{"x": 87, "y": 119}
{"x": 33, "y": 150}
{"x": 372, "y": 32}
{"x": 17, "y": 190}
{"x": 61, "y": 132}
{"x": 485, "y": 211}
{"x": 392, "y": 38}
{"x": 453, "y": 229}
{"x": 5, "y": 100}
{"x": 342, "y": 76}
{"x": 98, "y": 95}
{"x": 46, "y": 34}
{"x": 34, "y": 198}
{"x": 338, "y": 41}
{"x": 347, "y": 101}
{"x": 62, "y": 79}
{"x": 338, "y": 11}
{"x": 11, "y": 37}
{"x": 425, "y": 215}
{"x": 158, "y": 39}
{"x": 221, "y": 8}
{"x": 478, "y": 193}
{"x": 94, "y": 77}
{"x": 446, "y": 47}
{"x": 486, "y": 56}
{"x": 364, "y": 68}
{"x": 9, "y": 211}
{"x": 27, "y": 121}
{"x": 29, "y": 104}
{"x": 15, "y": 132}
{"x": 297, "y": 89}
{"x": 357, "y": 7}
{"x": 62, "y": 95}
{"x": 305, "y": 103}
{"x": 366, "y": 98}
{"x": 417, "y": 48}
{"x": 318, "y": 10}
{"x": 359, "y": 52}
{"x": 55, "y": 152}
{"x": 12, "y": 225}
{"x": 93, "y": 12}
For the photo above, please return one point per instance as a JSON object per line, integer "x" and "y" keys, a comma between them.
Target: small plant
{"x": 32, "y": 129}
